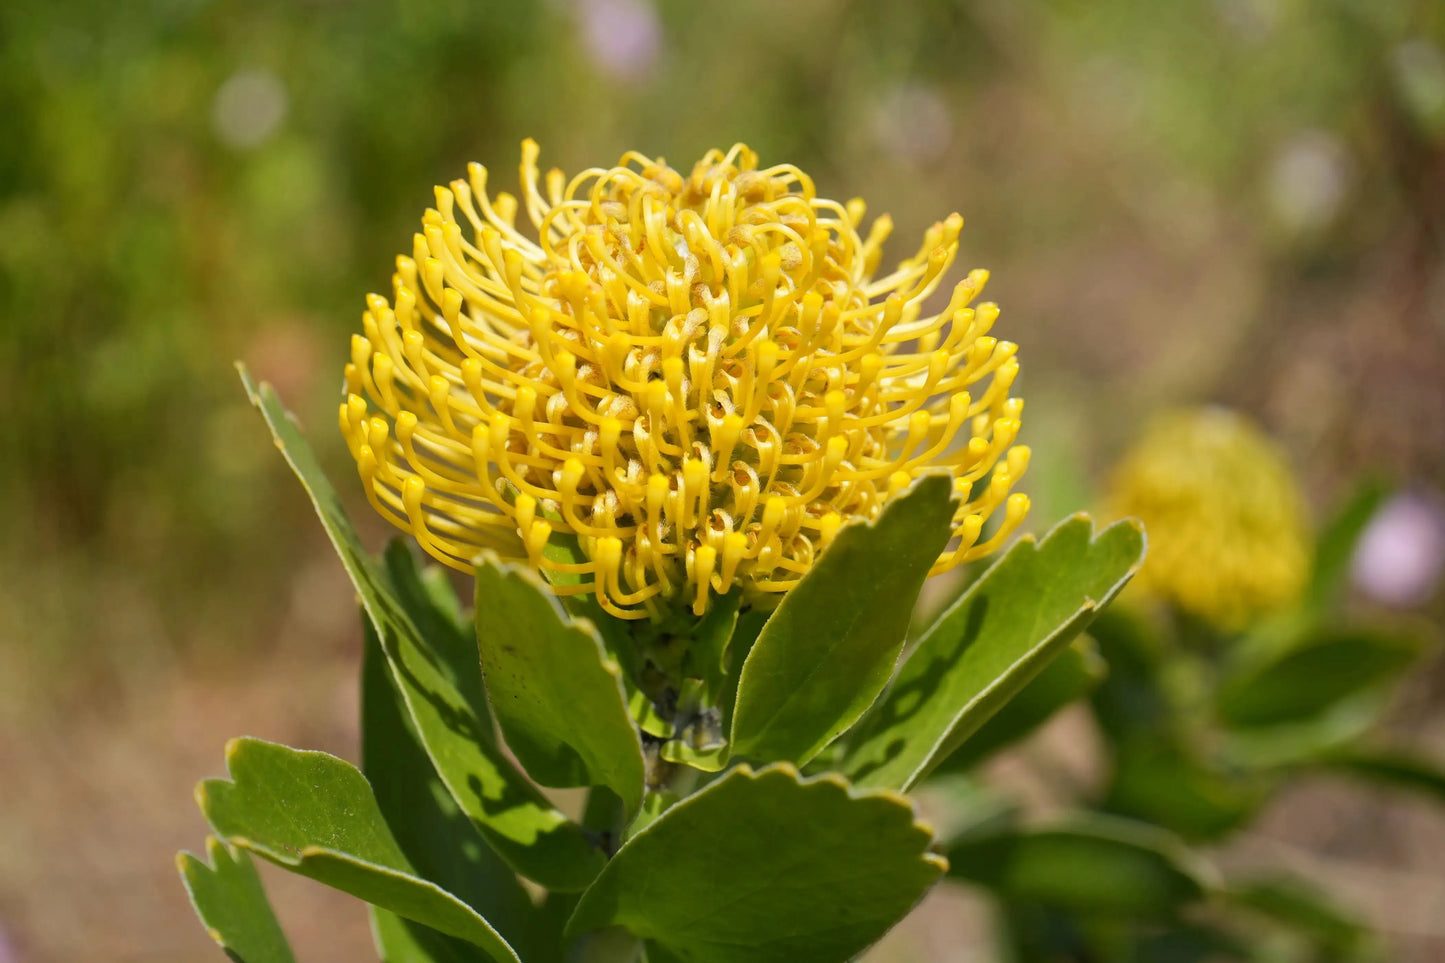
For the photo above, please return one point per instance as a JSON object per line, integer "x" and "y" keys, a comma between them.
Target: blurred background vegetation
{"x": 1231, "y": 201}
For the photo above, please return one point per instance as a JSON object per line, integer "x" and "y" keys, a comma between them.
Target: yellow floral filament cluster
{"x": 696, "y": 376}
{"x": 1228, "y": 540}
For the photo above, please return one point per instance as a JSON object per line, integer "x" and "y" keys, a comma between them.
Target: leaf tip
{"x": 233, "y": 748}
{"x": 786, "y": 769}
{"x": 937, "y": 860}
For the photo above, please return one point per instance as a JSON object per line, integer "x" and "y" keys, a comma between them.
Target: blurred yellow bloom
{"x": 698, "y": 377}
{"x": 1227, "y": 535}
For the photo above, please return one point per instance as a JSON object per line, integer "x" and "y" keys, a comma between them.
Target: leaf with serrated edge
{"x": 526, "y": 830}
{"x": 767, "y": 867}
{"x": 557, "y": 696}
{"x": 828, "y": 650}
{"x": 987, "y": 646}
{"x": 1070, "y": 676}
{"x": 315, "y": 815}
{"x": 228, "y": 897}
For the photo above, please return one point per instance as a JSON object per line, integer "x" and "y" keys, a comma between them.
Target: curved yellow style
{"x": 697, "y": 376}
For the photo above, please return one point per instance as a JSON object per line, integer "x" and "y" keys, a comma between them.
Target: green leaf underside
{"x": 315, "y": 814}
{"x": 1072, "y": 674}
{"x": 557, "y": 696}
{"x": 829, "y": 648}
{"x": 228, "y": 897}
{"x": 1309, "y": 679}
{"x": 1087, "y": 863}
{"x": 989, "y": 644}
{"x": 530, "y": 834}
{"x": 763, "y": 866}
{"x": 436, "y": 838}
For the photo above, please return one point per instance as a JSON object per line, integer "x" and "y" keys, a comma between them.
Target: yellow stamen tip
{"x": 700, "y": 378}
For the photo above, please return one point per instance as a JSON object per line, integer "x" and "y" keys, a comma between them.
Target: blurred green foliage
{"x": 1231, "y": 200}
{"x": 186, "y": 182}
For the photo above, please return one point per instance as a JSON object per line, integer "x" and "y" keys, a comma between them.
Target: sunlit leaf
{"x": 434, "y": 835}
{"x": 989, "y": 644}
{"x": 1069, "y": 677}
{"x": 526, "y": 830}
{"x": 763, "y": 866}
{"x": 315, "y": 815}
{"x": 228, "y": 897}
{"x": 829, "y": 648}
{"x": 556, "y": 694}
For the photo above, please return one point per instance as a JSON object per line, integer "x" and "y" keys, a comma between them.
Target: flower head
{"x": 697, "y": 376}
{"x": 1227, "y": 535}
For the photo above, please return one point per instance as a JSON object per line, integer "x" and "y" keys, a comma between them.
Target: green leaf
{"x": 434, "y": 835}
{"x": 228, "y": 897}
{"x": 1309, "y": 678}
{"x": 763, "y": 866}
{"x": 706, "y": 654}
{"x": 556, "y": 694}
{"x": 1132, "y": 697}
{"x": 829, "y": 648}
{"x": 1390, "y": 767}
{"x": 426, "y": 595}
{"x": 989, "y": 644}
{"x": 1336, "y": 545}
{"x": 1085, "y": 863}
{"x": 399, "y": 940}
{"x": 315, "y": 815}
{"x": 745, "y": 635}
{"x": 526, "y": 830}
{"x": 1287, "y": 745}
{"x": 1072, "y": 675}
{"x": 1300, "y": 907}
{"x": 1161, "y": 782}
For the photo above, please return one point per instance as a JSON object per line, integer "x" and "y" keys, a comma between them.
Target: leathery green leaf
{"x": 434, "y": 835}
{"x": 228, "y": 897}
{"x": 989, "y": 644}
{"x": 765, "y": 866}
{"x": 1336, "y": 544}
{"x": 1315, "y": 674}
{"x": 828, "y": 650}
{"x": 526, "y": 830}
{"x": 1072, "y": 675}
{"x": 315, "y": 815}
{"x": 1295, "y": 904}
{"x": 1086, "y": 863}
{"x": 556, "y": 694}
{"x": 1390, "y": 767}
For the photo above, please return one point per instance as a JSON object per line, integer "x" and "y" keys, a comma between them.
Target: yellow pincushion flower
{"x": 1228, "y": 540}
{"x": 697, "y": 376}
